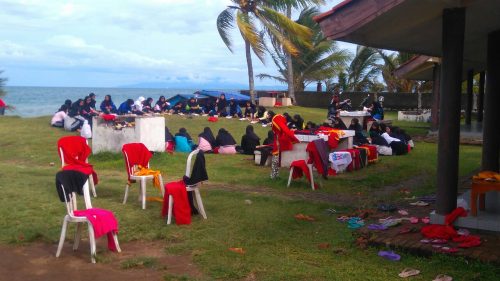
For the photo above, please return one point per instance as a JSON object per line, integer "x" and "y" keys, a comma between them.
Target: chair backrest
{"x": 188, "y": 162}
{"x": 135, "y": 154}
{"x": 71, "y": 205}
{"x": 77, "y": 145}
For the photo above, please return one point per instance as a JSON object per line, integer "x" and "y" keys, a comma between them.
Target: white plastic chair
{"x": 91, "y": 178}
{"x": 142, "y": 182}
{"x": 71, "y": 206}
{"x": 189, "y": 188}
{"x": 310, "y": 166}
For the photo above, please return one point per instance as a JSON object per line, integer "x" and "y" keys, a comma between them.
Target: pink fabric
{"x": 227, "y": 149}
{"x": 204, "y": 145}
{"x": 103, "y": 222}
{"x": 58, "y": 117}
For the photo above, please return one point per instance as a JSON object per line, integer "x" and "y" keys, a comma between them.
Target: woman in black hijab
{"x": 270, "y": 138}
{"x": 359, "y": 137}
{"x": 183, "y": 133}
{"x": 249, "y": 141}
{"x": 206, "y": 141}
{"x": 266, "y": 148}
{"x": 225, "y": 142}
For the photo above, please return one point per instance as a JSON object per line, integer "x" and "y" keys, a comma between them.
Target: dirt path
{"x": 37, "y": 261}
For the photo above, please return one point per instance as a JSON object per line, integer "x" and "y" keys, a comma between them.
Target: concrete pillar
{"x": 480, "y": 97}
{"x": 436, "y": 74}
{"x": 449, "y": 109}
{"x": 491, "y": 123}
{"x": 468, "y": 106}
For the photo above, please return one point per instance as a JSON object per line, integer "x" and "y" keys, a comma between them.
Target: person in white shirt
{"x": 138, "y": 103}
{"x": 58, "y": 118}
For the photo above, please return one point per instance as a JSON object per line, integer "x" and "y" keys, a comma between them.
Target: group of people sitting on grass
{"x": 72, "y": 115}
{"x": 223, "y": 143}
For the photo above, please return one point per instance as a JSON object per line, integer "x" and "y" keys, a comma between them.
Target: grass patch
{"x": 277, "y": 246}
{"x": 139, "y": 262}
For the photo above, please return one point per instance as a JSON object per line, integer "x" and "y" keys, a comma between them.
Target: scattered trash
{"x": 51, "y": 164}
{"x": 407, "y": 272}
{"x": 248, "y": 202}
{"x": 324, "y": 245}
{"x": 442, "y": 277}
{"x": 237, "y": 250}
{"x": 355, "y": 223}
{"x": 304, "y": 217}
{"x": 403, "y": 212}
{"x": 374, "y": 226}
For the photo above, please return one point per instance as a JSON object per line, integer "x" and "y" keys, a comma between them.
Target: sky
{"x": 118, "y": 43}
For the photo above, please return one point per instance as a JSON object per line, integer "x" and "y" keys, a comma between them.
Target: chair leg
{"x": 115, "y": 237}
{"x": 92, "y": 185}
{"x": 126, "y": 193}
{"x": 312, "y": 176}
{"x": 162, "y": 187}
{"x": 143, "y": 193}
{"x": 290, "y": 177}
{"x": 61, "y": 239}
{"x": 92, "y": 243}
{"x": 170, "y": 209}
{"x": 199, "y": 202}
{"x": 78, "y": 235}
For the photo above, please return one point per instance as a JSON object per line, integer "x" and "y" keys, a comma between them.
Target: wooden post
{"x": 449, "y": 109}
{"x": 436, "y": 73}
{"x": 480, "y": 97}
{"x": 468, "y": 106}
{"x": 491, "y": 123}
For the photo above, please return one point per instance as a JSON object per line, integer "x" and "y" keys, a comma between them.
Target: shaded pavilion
{"x": 460, "y": 32}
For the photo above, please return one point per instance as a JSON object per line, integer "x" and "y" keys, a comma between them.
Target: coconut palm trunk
{"x": 290, "y": 79}
{"x": 251, "y": 84}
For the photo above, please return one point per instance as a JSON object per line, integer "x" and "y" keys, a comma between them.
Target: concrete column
{"x": 480, "y": 97}
{"x": 449, "y": 109}
{"x": 436, "y": 73}
{"x": 491, "y": 123}
{"x": 468, "y": 106}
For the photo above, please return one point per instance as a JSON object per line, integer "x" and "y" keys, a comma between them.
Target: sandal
{"x": 407, "y": 272}
{"x": 343, "y": 218}
{"x": 390, "y": 255}
{"x": 442, "y": 277}
{"x": 391, "y": 222}
{"x": 403, "y": 212}
{"x": 419, "y": 203}
{"x": 414, "y": 220}
{"x": 374, "y": 226}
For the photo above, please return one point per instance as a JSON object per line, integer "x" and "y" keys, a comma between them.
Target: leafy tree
{"x": 363, "y": 70}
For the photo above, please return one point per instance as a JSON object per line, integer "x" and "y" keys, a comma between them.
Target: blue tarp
{"x": 183, "y": 97}
{"x": 229, "y": 95}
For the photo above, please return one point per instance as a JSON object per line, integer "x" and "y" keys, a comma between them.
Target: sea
{"x": 42, "y": 101}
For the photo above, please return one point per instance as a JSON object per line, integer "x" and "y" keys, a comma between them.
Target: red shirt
{"x": 2, "y": 104}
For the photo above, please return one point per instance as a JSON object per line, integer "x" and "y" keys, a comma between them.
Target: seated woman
{"x": 58, "y": 118}
{"x": 249, "y": 141}
{"x": 297, "y": 122}
{"x": 221, "y": 106}
{"x": 169, "y": 141}
{"x": 107, "y": 105}
{"x": 225, "y": 142}
{"x": 398, "y": 146}
{"x": 266, "y": 148}
{"x": 250, "y": 110}
{"x": 269, "y": 118}
{"x": 161, "y": 105}
{"x": 193, "y": 107}
{"x": 359, "y": 137}
{"x": 234, "y": 109}
{"x": 126, "y": 107}
{"x": 87, "y": 111}
{"x": 183, "y": 141}
{"x": 179, "y": 108}
{"x": 376, "y": 111}
{"x": 375, "y": 135}
{"x": 147, "y": 105}
{"x": 74, "y": 120}
{"x": 206, "y": 140}
{"x": 337, "y": 123}
{"x": 289, "y": 121}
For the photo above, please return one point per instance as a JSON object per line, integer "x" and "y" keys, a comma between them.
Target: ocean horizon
{"x": 43, "y": 101}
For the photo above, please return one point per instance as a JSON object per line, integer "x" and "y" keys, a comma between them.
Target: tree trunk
{"x": 251, "y": 85}
{"x": 291, "y": 90}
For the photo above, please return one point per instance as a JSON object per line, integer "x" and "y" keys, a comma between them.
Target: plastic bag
{"x": 86, "y": 131}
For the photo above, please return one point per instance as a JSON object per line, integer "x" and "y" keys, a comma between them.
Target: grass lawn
{"x": 277, "y": 246}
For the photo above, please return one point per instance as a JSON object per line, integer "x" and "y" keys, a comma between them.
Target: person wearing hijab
{"x": 225, "y": 142}
{"x": 375, "y": 135}
{"x": 249, "y": 141}
{"x": 183, "y": 141}
{"x": 179, "y": 108}
{"x": 359, "y": 137}
{"x": 270, "y": 138}
{"x": 58, "y": 118}
{"x": 138, "y": 104}
{"x": 297, "y": 122}
{"x": 266, "y": 148}
{"x": 206, "y": 140}
{"x": 250, "y": 110}
{"x": 221, "y": 104}
{"x": 194, "y": 107}
{"x": 126, "y": 107}
{"x": 67, "y": 104}
{"x": 161, "y": 105}
{"x": 234, "y": 109}
{"x": 289, "y": 121}
{"x": 169, "y": 141}
{"x": 376, "y": 111}
{"x": 107, "y": 105}
{"x": 92, "y": 101}
{"x": 74, "y": 121}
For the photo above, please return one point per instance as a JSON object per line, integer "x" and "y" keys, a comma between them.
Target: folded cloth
{"x": 181, "y": 209}
{"x": 340, "y": 160}
{"x": 299, "y": 168}
{"x": 103, "y": 222}
{"x": 143, "y": 171}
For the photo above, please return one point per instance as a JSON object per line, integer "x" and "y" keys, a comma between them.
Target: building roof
{"x": 412, "y": 26}
{"x": 418, "y": 68}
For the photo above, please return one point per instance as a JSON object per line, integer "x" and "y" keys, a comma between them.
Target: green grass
{"x": 277, "y": 246}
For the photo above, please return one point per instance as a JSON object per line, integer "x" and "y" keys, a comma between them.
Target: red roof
{"x": 339, "y": 6}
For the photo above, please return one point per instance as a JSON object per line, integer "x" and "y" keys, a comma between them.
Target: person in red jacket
{"x": 2, "y": 107}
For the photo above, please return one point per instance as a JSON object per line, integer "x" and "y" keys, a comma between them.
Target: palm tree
{"x": 363, "y": 69}
{"x": 320, "y": 62}
{"x": 287, "y": 6}
{"x": 391, "y": 62}
{"x": 246, "y": 14}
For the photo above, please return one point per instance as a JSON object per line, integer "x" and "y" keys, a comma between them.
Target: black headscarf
{"x": 160, "y": 102}
{"x": 356, "y": 126}
{"x": 224, "y": 138}
{"x": 298, "y": 122}
{"x": 76, "y": 108}
{"x": 183, "y": 133}
{"x": 249, "y": 141}
{"x": 251, "y": 134}
{"x": 168, "y": 135}
{"x": 270, "y": 138}
{"x": 208, "y": 136}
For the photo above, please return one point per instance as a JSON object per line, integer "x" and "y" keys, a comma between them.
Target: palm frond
{"x": 263, "y": 76}
{"x": 224, "y": 24}
{"x": 249, "y": 32}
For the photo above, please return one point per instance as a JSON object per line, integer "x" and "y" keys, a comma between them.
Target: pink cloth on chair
{"x": 103, "y": 222}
